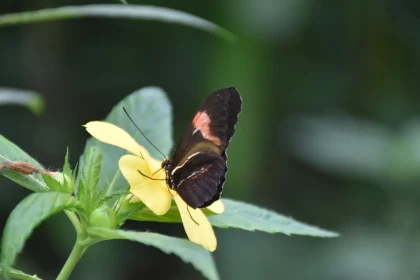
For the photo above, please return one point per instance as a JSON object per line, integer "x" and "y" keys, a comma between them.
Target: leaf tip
{"x": 36, "y": 105}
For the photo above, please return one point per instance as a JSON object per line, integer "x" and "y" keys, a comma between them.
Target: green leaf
{"x": 66, "y": 168}
{"x": 53, "y": 184}
{"x": 31, "y": 100}
{"x": 26, "y": 216}
{"x": 9, "y": 152}
{"x": 68, "y": 177}
{"x": 189, "y": 252}
{"x": 17, "y": 274}
{"x": 249, "y": 217}
{"x": 74, "y": 173}
{"x": 140, "y": 212}
{"x": 121, "y": 194}
{"x": 151, "y": 110}
{"x": 141, "y": 12}
{"x": 90, "y": 168}
{"x": 239, "y": 215}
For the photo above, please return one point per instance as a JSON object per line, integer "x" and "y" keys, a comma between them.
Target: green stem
{"x": 82, "y": 243}
{"x": 78, "y": 250}
{"x": 74, "y": 220}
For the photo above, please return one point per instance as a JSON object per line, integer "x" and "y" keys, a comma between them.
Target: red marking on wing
{"x": 202, "y": 122}
{"x": 201, "y": 172}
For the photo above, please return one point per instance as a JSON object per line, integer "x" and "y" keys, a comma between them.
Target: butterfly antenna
{"x": 142, "y": 132}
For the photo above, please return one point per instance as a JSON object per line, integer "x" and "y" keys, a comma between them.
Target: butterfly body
{"x": 198, "y": 166}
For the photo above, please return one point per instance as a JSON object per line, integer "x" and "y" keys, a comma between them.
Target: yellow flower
{"x": 155, "y": 194}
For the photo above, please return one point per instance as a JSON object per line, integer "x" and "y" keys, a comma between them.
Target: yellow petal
{"x": 154, "y": 166}
{"x": 217, "y": 207}
{"x": 153, "y": 193}
{"x": 112, "y": 134}
{"x": 198, "y": 230}
{"x": 130, "y": 167}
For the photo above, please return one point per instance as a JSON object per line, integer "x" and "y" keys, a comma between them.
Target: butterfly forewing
{"x": 214, "y": 123}
{"x": 198, "y": 166}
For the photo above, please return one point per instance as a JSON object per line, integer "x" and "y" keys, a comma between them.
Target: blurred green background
{"x": 329, "y": 133}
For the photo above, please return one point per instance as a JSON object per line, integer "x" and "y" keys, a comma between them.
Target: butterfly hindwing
{"x": 199, "y": 180}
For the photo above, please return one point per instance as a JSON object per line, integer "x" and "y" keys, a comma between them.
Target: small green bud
{"x": 59, "y": 177}
{"x": 103, "y": 216}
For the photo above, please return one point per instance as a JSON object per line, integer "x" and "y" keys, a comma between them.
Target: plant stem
{"x": 78, "y": 250}
{"x": 74, "y": 220}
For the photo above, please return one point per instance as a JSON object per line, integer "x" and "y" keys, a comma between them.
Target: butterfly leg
{"x": 188, "y": 210}
{"x": 169, "y": 190}
{"x": 155, "y": 179}
{"x": 157, "y": 171}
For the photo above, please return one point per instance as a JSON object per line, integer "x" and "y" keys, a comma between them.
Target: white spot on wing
{"x": 178, "y": 167}
{"x": 192, "y": 175}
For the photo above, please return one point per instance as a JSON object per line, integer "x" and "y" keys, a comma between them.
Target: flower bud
{"x": 59, "y": 177}
{"x": 103, "y": 216}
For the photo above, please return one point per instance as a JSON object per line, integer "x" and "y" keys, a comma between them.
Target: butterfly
{"x": 198, "y": 166}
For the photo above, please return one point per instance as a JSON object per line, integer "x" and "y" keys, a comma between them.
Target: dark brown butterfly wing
{"x": 203, "y": 147}
{"x": 212, "y": 127}
{"x": 200, "y": 179}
